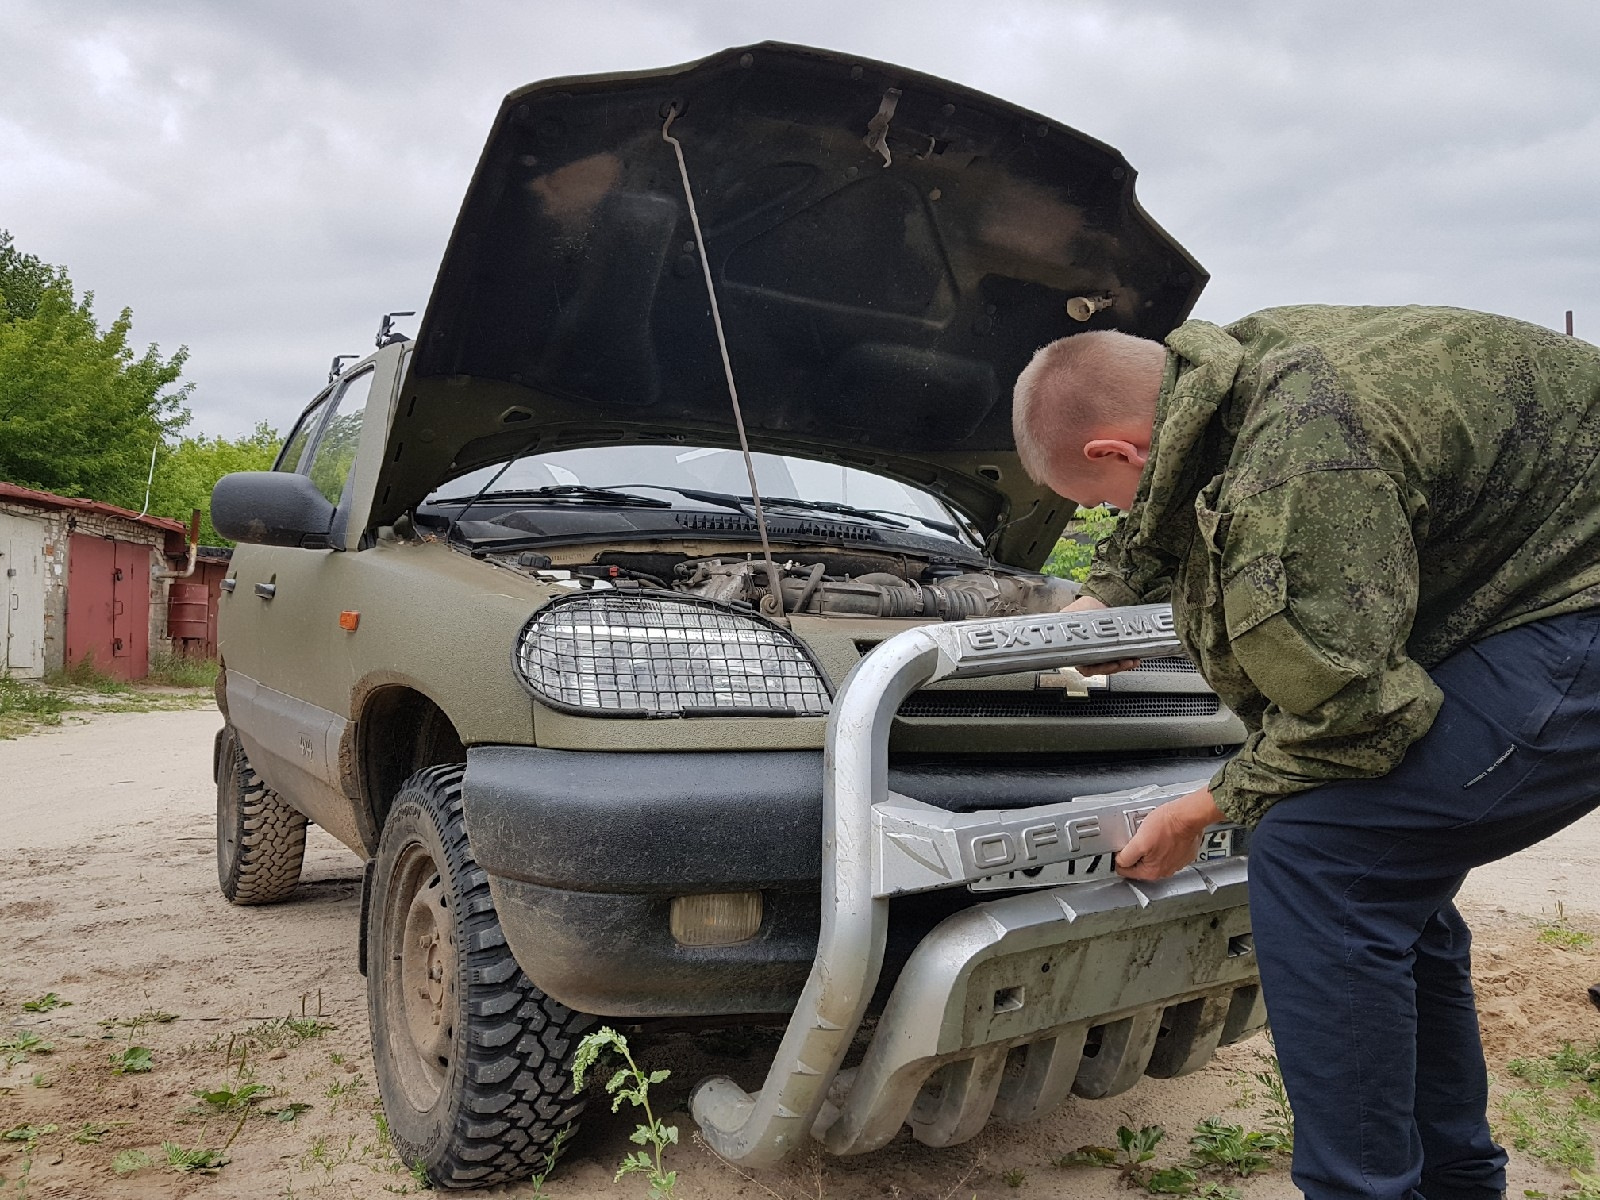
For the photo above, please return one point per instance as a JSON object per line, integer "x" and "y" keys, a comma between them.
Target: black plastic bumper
{"x": 585, "y": 851}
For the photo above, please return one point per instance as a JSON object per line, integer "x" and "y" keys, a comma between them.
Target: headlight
{"x": 657, "y": 656}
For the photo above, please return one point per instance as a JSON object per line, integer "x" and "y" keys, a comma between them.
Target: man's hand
{"x": 1169, "y": 838}
{"x": 1085, "y": 604}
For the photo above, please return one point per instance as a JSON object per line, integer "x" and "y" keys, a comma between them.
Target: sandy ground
{"x": 108, "y": 898}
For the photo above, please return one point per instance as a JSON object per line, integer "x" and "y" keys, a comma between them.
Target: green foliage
{"x": 178, "y": 670}
{"x": 633, "y": 1085}
{"x": 23, "y": 280}
{"x": 231, "y": 1099}
{"x": 186, "y": 1161}
{"x": 29, "y": 1136}
{"x": 1137, "y": 1147}
{"x": 1171, "y": 1181}
{"x": 1279, "y": 1119}
{"x": 1551, "y": 1117}
{"x": 552, "y": 1155}
{"x": 24, "y": 705}
{"x": 16, "y": 1049}
{"x": 1014, "y": 1178}
{"x": 1540, "y": 1126}
{"x": 81, "y": 412}
{"x": 135, "y": 1060}
{"x": 45, "y": 1003}
{"x": 1072, "y": 554}
{"x": 126, "y": 1162}
{"x": 1232, "y": 1148}
{"x": 1586, "y": 1186}
{"x": 187, "y": 471}
{"x": 84, "y": 674}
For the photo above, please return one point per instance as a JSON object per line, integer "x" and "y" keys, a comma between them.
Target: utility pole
{"x": 1569, "y": 322}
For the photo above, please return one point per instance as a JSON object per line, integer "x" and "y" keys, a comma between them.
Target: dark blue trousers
{"x": 1365, "y": 962}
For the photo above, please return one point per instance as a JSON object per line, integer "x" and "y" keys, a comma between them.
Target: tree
{"x": 186, "y": 473}
{"x": 23, "y": 279}
{"x": 79, "y": 412}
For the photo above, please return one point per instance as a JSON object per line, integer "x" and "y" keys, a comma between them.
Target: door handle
{"x": 266, "y": 590}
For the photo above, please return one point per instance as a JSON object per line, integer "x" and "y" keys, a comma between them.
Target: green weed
{"x": 1546, "y": 1130}
{"x": 90, "y": 1132}
{"x": 552, "y": 1155}
{"x": 24, "y": 705}
{"x": 150, "y": 1016}
{"x": 135, "y": 1060}
{"x": 16, "y": 1049}
{"x": 1171, "y": 1181}
{"x": 633, "y": 1085}
{"x": 1586, "y": 1186}
{"x": 1279, "y": 1119}
{"x": 1231, "y": 1148}
{"x": 1014, "y": 1178}
{"x": 29, "y": 1136}
{"x": 179, "y": 670}
{"x": 199, "y": 1159}
{"x": 45, "y": 1003}
{"x": 126, "y": 1162}
{"x": 84, "y": 674}
{"x": 289, "y": 1113}
{"x": 232, "y": 1099}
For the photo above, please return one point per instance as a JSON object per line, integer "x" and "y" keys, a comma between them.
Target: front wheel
{"x": 261, "y": 840}
{"x": 474, "y": 1062}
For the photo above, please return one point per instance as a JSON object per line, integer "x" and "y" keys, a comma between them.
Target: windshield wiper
{"x": 562, "y": 491}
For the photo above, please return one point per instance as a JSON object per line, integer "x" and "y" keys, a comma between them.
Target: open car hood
{"x": 889, "y": 250}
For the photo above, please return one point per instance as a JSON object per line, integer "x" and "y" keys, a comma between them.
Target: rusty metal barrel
{"x": 188, "y": 609}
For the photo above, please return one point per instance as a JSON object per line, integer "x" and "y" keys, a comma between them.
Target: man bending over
{"x": 1379, "y": 529}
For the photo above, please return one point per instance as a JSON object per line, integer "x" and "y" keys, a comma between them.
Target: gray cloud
{"x": 261, "y": 181}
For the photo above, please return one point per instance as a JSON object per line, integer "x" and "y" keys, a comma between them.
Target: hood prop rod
{"x": 772, "y": 603}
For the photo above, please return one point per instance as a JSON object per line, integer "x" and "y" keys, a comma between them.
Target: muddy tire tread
{"x": 517, "y": 1081}
{"x": 272, "y": 839}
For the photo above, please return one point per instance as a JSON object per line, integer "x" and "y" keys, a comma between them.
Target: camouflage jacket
{"x": 1338, "y": 498}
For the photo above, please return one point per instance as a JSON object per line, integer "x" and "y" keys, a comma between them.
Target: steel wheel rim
{"x": 420, "y": 976}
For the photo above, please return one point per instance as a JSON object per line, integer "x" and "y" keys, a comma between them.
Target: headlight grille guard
{"x": 661, "y": 654}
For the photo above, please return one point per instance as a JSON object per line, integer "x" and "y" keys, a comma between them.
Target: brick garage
{"x": 81, "y": 579}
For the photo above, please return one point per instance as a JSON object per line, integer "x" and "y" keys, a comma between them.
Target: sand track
{"x": 108, "y": 897}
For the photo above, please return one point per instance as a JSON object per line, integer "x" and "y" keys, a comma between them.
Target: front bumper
{"x": 585, "y": 851}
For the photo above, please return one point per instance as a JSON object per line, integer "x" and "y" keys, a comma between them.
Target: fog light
{"x": 716, "y": 918}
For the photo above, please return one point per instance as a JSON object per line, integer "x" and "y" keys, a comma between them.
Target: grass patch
{"x": 85, "y": 676}
{"x": 179, "y": 670}
{"x": 25, "y": 705}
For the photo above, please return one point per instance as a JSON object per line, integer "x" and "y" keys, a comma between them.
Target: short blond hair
{"x": 1078, "y": 384}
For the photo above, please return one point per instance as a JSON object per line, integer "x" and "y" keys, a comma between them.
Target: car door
{"x": 287, "y": 695}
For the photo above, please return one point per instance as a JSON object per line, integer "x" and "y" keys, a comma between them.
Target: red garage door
{"x": 108, "y": 606}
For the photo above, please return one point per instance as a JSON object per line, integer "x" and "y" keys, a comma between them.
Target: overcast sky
{"x": 260, "y": 181}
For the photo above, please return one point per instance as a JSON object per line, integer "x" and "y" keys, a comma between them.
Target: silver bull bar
{"x": 1005, "y": 1007}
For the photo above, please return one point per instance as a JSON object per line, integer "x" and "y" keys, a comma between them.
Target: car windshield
{"x": 784, "y": 480}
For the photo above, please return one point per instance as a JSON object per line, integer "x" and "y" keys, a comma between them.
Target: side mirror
{"x": 272, "y": 508}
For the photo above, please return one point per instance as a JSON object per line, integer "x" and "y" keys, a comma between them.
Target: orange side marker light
{"x": 349, "y": 620}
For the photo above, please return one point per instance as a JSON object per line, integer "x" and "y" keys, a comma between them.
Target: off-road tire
{"x": 261, "y": 841}
{"x": 474, "y": 1062}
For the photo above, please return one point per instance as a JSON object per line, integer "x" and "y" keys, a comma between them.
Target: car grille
{"x": 1168, "y": 666}
{"x": 955, "y": 704}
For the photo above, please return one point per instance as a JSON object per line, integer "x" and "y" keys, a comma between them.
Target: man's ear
{"x": 1097, "y": 450}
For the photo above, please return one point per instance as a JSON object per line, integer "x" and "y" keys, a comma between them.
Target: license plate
{"x": 1217, "y": 843}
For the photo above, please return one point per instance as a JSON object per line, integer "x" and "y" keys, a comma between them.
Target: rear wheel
{"x": 261, "y": 841}
{"x": 474, "y": 1062}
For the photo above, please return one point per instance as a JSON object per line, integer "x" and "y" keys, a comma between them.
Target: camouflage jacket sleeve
{"x": 1122, "y": 574}
{"x": 1318, "y": 588}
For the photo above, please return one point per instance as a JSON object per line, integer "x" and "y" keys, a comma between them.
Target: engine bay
{"x": 827, "y": 585}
